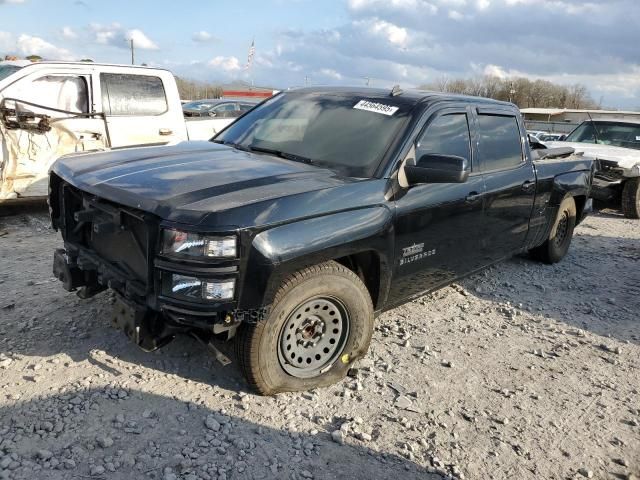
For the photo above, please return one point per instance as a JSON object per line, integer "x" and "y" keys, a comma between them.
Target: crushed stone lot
{"x": 523, "y": 371}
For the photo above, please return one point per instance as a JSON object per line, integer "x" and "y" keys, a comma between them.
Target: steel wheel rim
{"x": 562, "y": 228}
{"x": 313, "y": 336}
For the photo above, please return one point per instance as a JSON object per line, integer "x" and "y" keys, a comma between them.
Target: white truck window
{"x": 132, "y": 95}
{"x": 69, "y": 93}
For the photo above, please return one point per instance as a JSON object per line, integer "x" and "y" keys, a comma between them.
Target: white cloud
{"x": 117, "y": 36}
{"x": 395, "y": 35}
{"x": 69, "y": 33}
{"x": 25, "y": 45}
{"x": 203, "y": 37}
{"x": 11, "y": 1}
{"x": 226, "y": 64}
{"x": 140, "y": 40}
{"x": 329, "y": 72}
{"x": 103, "y": 34}
{"x": 30, "y": 45}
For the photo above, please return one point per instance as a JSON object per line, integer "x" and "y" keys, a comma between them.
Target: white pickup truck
{"x": 615, "y": 144}
{"x": 49, "y": 109}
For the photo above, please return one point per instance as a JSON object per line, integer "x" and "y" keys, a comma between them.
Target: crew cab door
{"x": 437, "y": 225}
{"x": 45, "y": 115}
{"x": 509, "y": 179}
{"x": 138, "y": 110}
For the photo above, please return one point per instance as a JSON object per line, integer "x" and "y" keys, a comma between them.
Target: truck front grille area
{"x": 609, "y": 171}
{"x": 114, "y": 246}
{"x": 114, "y": 242}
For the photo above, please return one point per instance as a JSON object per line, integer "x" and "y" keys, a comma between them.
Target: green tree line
{"x": 525, "y": 93}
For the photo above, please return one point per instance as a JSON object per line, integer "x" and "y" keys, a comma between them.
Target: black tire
{"x": 556, "y": 246}
{"x": 261, "y": 347}
{"x": 631, "y": 198}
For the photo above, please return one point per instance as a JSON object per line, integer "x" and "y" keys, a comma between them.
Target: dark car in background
{"x": 218, "y": 107}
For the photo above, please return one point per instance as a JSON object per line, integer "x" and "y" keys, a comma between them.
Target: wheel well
{"x": 367, "y": 266}
{"x": 581, "y": 201}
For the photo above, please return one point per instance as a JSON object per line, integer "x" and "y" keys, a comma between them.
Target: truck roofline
{"x": 409, "y": 93}
{"x": 56, "y": 63}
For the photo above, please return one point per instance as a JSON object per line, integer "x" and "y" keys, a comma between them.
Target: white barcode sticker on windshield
{"x": 375, "y": 107}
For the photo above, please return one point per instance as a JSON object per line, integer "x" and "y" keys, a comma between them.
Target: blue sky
{"x": 410, "y": 42}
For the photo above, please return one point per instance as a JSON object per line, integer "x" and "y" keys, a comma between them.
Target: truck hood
{"x": 626, "y": 158}
{"x": 190, "y": 180}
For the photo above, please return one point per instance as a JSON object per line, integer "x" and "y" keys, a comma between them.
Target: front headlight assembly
{"x": 197, "y": 289}
{"x": 175, "y": 242}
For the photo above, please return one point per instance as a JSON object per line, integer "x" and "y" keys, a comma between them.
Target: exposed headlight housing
{"x": 198, "y": 289}
{"x": 175, "y": 242}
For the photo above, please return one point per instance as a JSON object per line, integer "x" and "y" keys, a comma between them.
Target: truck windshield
{"x": 618, "y": 134}
{"x": 6, "y": 70}
{"x": 347, "y": 134}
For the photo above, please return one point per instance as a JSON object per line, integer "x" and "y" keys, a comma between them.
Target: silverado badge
{"x": 414, "y": 253}
{"x": 413, "y": 249}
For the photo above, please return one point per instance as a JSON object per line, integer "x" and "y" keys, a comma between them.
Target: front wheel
{"x": 631, "y": 198}
{"x": 556, "y": 246}
{"x": 321, "y": 321}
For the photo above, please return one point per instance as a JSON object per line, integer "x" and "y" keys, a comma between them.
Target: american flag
{"x": 252, "y": 52}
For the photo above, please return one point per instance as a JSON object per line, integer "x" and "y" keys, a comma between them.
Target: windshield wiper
{"x": 231, "y": 144}
{"x": 281, "y": 154}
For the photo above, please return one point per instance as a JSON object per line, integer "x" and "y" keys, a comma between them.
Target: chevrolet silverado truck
{"x": 615, "y": 144}
{"x": 307, "y": 217}
{"x": 48, "y": 109}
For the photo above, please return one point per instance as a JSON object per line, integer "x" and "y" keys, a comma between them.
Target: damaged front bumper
{"x": 112, "y": 246}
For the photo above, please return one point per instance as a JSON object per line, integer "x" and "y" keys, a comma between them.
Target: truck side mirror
{"x": 438, "y": 168}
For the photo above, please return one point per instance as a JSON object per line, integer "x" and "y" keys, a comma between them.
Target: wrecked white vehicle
{"x": 49, "y": 109}
{"x": 616, "y": 146}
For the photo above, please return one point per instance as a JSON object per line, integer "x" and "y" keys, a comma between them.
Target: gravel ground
{"x": 523, "y": 371}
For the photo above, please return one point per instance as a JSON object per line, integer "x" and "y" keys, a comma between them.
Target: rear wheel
{"x": 556, "y": 246}
{"x": 631, "y": 198}
{"x": 321, "y": 321}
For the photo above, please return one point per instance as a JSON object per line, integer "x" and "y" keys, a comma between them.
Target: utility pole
{"x": 132, "y": 57}
{"x": 306, "y": 80}
{"x": 512, "y": 92}
{"x": 367, "y": 79}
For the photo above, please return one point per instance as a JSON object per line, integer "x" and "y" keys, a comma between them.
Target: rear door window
{"x": 132, "y": 95}
{"x": 499, "y": 146}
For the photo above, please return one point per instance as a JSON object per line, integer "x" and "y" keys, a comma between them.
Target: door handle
{"x": 528, "y": 185}
{"x": 472, "y": 197}
{"x": 165, "y": 132}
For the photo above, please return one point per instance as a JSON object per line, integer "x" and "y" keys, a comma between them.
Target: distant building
{"x": 563, "y": 120}
{"x": 244, "y": 90}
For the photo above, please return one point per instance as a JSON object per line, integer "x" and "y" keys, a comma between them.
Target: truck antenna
{"x": 595, "y": 128}
{"x": 395, "y": 91}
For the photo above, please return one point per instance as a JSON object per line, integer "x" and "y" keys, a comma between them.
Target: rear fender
{"x": 574, "y": 184}
{"x": 280, "y": 251}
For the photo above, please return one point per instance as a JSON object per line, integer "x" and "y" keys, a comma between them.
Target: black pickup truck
{"x": 311, "y": 214}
